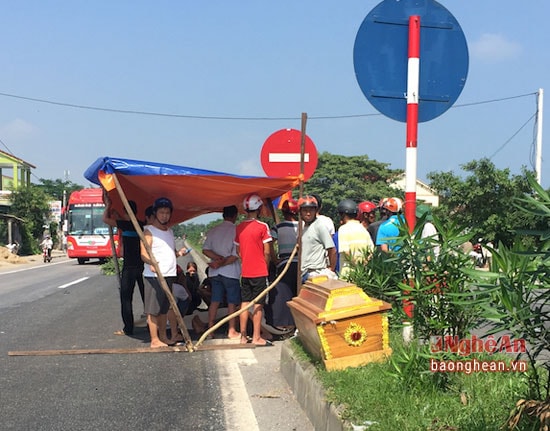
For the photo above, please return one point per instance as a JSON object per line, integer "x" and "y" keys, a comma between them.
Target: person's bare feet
{"x": 233, "y": 335}
{"x": 158, "y": 344}
{"x": 244, "y": 339}
{"x": 198, "y": 325}
{"x": 178, "y": 338}
{"x": 262, "y": 342}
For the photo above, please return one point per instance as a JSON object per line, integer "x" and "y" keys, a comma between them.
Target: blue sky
{"x": 264, "y": 61}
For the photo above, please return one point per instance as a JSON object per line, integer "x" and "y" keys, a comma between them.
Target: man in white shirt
{"x": 225, "y": 268}
{"x": 160, "y": 239}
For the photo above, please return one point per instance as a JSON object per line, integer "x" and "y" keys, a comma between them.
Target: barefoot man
{"x": 160, "y": 239}
{"x": 225, "y": 268}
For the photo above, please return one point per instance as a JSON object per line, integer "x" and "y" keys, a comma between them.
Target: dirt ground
{"x": 9, "y": 259}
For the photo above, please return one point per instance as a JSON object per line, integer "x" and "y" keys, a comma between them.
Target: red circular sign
{"x": 280, "y": 154}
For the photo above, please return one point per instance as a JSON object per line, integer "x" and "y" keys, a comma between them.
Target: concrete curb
{"x": 301, "y": 377}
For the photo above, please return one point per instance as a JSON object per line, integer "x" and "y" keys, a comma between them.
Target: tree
{"x": 350, "y": 177}
{"x": 31, "y": 204}
{"x": 56, "y": 188}
{"x": 484, "y": 201}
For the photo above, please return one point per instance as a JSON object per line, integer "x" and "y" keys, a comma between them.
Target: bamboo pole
{"x": 272, "y": 211}
{"x": 300, "y": 227}
{"x": 162, "y": 281}
{"x": 113, "y": 246}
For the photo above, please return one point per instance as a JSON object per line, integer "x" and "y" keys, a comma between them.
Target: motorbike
{"x": 47, "y": 254}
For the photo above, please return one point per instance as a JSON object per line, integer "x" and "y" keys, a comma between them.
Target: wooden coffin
{"x": 340, "y": 324}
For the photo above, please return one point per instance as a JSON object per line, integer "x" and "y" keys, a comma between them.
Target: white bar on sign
{"x": 287, "y": 157}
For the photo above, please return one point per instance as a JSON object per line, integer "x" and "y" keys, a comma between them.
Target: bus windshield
{"x": 87, "y": 220}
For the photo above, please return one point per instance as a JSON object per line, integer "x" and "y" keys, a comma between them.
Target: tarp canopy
{"x": 192, "y": 191}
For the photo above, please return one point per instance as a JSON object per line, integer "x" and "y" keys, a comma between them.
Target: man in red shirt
{"x": 252, "y": 239}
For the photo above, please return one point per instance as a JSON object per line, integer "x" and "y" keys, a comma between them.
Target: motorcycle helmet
{"x": 393, "y": 205}
{"x": 290, "y": 206}
{"x": 162, "y": 203}
{"x": 252, "y": 202}
{"x": 308, "y": 202}
{"x": 347, "y": 206}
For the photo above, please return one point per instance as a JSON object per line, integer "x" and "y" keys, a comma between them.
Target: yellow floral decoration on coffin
{"x": 355, "y": 334}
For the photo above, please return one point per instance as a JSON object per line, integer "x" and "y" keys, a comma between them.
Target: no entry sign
{"x": 281, "y": 151}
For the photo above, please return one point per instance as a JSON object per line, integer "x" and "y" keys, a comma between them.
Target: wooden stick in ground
{"x": 162, "y": 281}
{"x": 300, "y": 227}
{"x": 254, "y": 301}
{"x": 113, "y": 246}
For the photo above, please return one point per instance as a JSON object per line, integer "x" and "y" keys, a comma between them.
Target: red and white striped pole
{"x": 413, "y": 79}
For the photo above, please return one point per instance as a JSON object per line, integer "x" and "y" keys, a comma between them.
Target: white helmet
{"x": 252, "y": 202}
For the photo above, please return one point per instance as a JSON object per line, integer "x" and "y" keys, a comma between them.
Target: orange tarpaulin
{"x": 192, "y": 191}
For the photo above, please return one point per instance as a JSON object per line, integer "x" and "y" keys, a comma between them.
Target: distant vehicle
{"x": 88, "y": 236}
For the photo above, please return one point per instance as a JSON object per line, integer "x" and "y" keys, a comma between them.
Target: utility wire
{"x": 207, "y": 117}
{"x": 6, "y": 147}
{"x": 512, "y": 137}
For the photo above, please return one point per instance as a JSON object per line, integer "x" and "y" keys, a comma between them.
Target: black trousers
{"x": 130, "y": 275}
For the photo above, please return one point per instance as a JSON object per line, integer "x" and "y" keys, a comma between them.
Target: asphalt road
{"x": 63, "y": 306}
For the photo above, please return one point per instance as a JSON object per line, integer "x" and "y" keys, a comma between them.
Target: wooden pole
{"x": 125, "y": 351}
{"x": 113, "y": 246}
{"x": 300, "y": 227}
{"x": 272, "y": 211}
{"x": 162, "y": 281}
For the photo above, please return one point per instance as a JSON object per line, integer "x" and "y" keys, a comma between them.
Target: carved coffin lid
{"x": 322, "y": 299}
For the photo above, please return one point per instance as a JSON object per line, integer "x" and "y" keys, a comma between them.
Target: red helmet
{"x": 393, "y": 205}
{"x": 290, "y": 206}
{"x": 366, "y": 207}
{"x": 308, "y": 201}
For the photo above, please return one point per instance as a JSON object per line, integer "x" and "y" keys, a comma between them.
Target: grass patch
{"x": 378, "y": 395}
{"x": 108, "y": 268}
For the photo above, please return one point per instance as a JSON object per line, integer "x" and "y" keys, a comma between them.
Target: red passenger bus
{"x": 87, "y": 235}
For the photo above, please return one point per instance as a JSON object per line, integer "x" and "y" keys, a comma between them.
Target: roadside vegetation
{"x": 452, "y": 297}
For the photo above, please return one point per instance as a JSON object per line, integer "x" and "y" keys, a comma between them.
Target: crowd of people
{"x": 243, "y": 259}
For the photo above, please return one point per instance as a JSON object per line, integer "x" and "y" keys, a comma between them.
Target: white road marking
{"x": 239, "y": 414}
{"x": 37, "y": 266}
{"x": 63, "y": 286}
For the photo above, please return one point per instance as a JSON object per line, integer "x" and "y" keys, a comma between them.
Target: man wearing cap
{"x": 366, "y": 214}
{"x": 429, "y": 232}
{"x": 317, "y": 243}
{"x": 160, "y": 239}
{"x": 353, "y": 239}
{"x": 382, "y": 217}
{"x": 285, "y": 233}
{"x": 386, "y": 238}
{"x": 252, "y": 238}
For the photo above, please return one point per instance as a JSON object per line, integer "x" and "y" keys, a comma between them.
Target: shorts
{"x": 252, "y": 287}
{"x": 231, "y": 287}
{"x": 155, "y": 300}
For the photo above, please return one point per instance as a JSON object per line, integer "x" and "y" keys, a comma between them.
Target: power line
{"x": 6, "y": 147}
{"x": 493, "y": 100}
{"x": 208, "y": 117}
{"x": 512, "y": 137}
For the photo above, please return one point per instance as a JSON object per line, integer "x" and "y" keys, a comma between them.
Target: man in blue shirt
{"x": 388, "y": 231}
